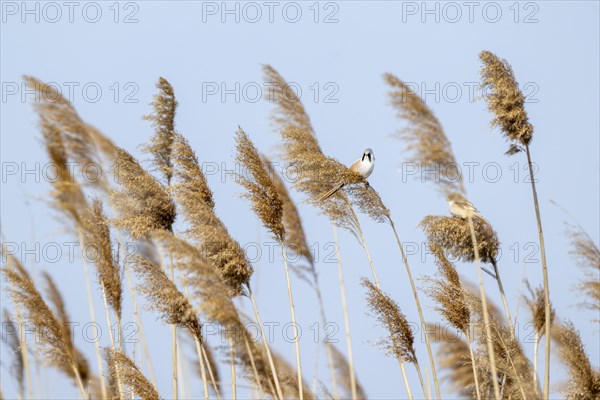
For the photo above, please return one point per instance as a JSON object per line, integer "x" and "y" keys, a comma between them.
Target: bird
{"x": 363, "y": 167}
{"x": 461, "y": 207}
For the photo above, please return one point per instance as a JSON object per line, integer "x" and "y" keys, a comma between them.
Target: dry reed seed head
{"x": 55, "y": 342}
{"x": 290, "y": 110}
{"x": 295, "y": 238}
{"x": 260, "y": 189}
{"x": 453, "y": 235}
{"x": 587, "y": 256}
{"x": 584, "y": 381}
{"x": 453, "y": 356}
{"x": 536, "y": 305}
{"x": 504, "y": 99}
{"x": 96, "y": 235}
{"x": 189, "y": 175}
{"x": 79, "y": 138}
{"x": 342, "y": 371}
{"x": 13, "y": 338}
{"x": 143, "y": 203}
{"x": 400, "y": 342}
{"x": 448, "y": 293}
{"x": 163, "y": 120}
{"x": 119, "y": 365}
{"x": 164, "y": 297}
{"x": 424, "y": 138}
{"x": 315, "y": 173}
{"x": 368, "y": 201}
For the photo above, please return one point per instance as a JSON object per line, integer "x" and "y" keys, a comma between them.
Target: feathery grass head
{"x": 505, "y": 100}
{"x": 260, "y": 189}
{"x": 124, "y": 371}
{"x": 453, "y": 235}
{"x": 55, "y": 341}
{"x": 448, "y": 293}
{"x": 96, "y": 235}
{"x": 164, "y": 297}
{"x": 425, "y": 137}
{"x": 536, "y": 306}
{"x": 12, "y": 336}
{"x": 143, "y": 203}
{"x": 400, "y": 341}
{"x": 584, "y": 381}
{"x": 163, "y": 120}
{"x": 587, "y": 255}
{"x": 289, "y": 111}
{"x": 342, "y": 370}
{"x": 187, "y": 170}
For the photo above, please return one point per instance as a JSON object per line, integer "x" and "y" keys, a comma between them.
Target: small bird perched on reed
{"x": 363, "y": 167}
{"x": 461, "y": 207}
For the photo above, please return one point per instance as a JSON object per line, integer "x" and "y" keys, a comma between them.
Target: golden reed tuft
{"x": 587, "y": 256}
{"x": 123, "y": 370}
{"x": 425, "y": 137}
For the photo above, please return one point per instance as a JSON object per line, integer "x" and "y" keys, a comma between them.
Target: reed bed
{"x": 193, "y": 273}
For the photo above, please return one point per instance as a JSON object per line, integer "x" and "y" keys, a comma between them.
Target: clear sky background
{"x": 112, "y": 67}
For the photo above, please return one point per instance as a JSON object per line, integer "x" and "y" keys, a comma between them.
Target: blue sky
{"x": 107, "y": 57}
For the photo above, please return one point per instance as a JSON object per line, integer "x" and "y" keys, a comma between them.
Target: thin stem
{"x": 328, "y": 345}
{"x": 536, "y": 347}
{"x": 84, "y": 393}
{"x": 346, "y": 315}
{"x": 504, "y": 302}
{"x": 174, "y": 343}
{"x": 419, "y": 309}
{"x": 202, "y": 368}
{"x": 232, "y": 364}
{"x": 210, "y": 372}
{"x": 254, "y": 370}
{"x": 486, "y": 317}
{"x": 410, "y": 396}
{"x": 295, "y": 326}
{"x": 545, "y": 274}
{"x": 266, "y": 344}
{"x": 474, "y": 366}
{"x": 421, "y": 378}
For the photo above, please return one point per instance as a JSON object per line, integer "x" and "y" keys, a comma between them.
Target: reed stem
{"x": 202, "y": 368}
{"x": 474, "y": 366}
{"x": 232, "y": 364}
{"x": 545, "y": 274}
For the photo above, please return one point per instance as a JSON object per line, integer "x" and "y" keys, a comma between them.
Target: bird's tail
{"x": 331, "y": 192}
{"x": 479, "y": 218}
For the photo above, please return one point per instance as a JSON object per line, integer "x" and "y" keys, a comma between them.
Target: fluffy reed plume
{"x": 507, "y": 103}
{"x": 122, "y": 369}
{"x": 194, "y": 198}
{"x": 260, "y": 189}
{"x": 294, "y": 238}
{"x": 164, "y": 297}
{"x": 587, "y": 256}
{"x": 12, "y": 335}
{"x": 584, "y": 381}
{"x": 448, "y": 293}
{"x": 453, "y": 235}
{"x": 96, "y": 235}
{"x": 425, "y": 137}
{"x": 342, "y": 369}
{"x": 505, "y": 100}
{"x": 143, "y": 203}
{"x": 55, "y": 343}
{"x": 454, "y": 358}
{"x": 289, "y": 111}
{"x": 400, "y": 342}
{"x": 536, "y": 306}
{"x": 78, "y": 137}
{"x": 163, "y": 120}
{"x": 314, "y": 171}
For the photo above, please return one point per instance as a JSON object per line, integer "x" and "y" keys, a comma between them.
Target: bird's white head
{"x": 368, "y": 155}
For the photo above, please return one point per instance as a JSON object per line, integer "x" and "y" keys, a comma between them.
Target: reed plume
{"x": 584, "y": 381}
{"x": 290, "y": 111}
{"x": 122, "y": 369}
{"x": 143, "y": 203}
{"x": 55, "y": 342}
{"x": 194, "y": 198}
{"x": 400, "y": 342}
{"x": 267, "y": 204}
{"x": 163, "y": 120}
{"x": 507, "y": 103}
{"x": 425, "y": 138}
{"x": 587, "y": 255}
{"x": 12, "y": 336}
{"x": 344, "y": 375}
{"x": 536, "y": 305}
{"x": 96, "y": 235}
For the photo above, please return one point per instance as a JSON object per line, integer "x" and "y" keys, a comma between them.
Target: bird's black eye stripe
{"x": 369, "y": 155}
{"x": 363, "y": 157}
